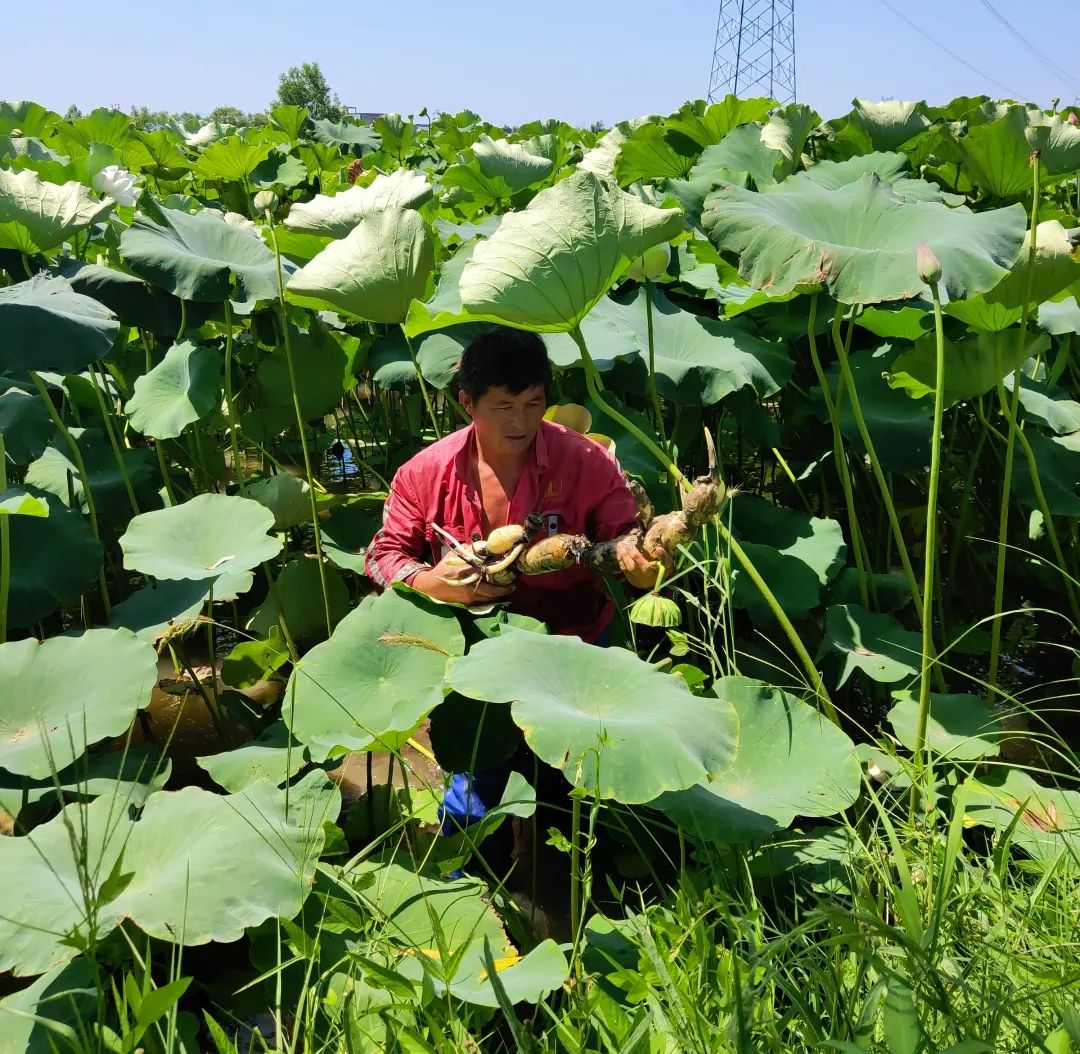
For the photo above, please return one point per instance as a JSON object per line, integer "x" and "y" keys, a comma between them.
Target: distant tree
{"x": 146, "y": 120}
{"x": 598, "y": 127}
{"x": 72, "y": 113}
{"x": 305, "y": 85}
{"x": 234, "y": 115}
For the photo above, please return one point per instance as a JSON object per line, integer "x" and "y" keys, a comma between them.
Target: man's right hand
{"x": 442, "y": 583}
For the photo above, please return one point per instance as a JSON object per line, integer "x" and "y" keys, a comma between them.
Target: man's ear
{"x": 466, "y": 401}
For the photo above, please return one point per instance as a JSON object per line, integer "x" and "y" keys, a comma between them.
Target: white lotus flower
{"x": 118, "y": 183}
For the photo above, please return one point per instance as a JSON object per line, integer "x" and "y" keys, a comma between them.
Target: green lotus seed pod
{"x": 655, "y": 610}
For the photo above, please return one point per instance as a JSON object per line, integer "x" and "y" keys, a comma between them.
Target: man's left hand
{"x": 639, "y": 571}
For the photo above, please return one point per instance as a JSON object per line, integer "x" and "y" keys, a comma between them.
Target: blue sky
{"x": 582, "y": 61}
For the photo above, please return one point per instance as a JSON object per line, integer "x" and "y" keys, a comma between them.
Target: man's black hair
{"x": 504, "y": 357}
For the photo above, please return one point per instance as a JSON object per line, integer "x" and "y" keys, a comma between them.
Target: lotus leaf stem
{"x": 921, "y": 755}
{"x": 5, "y": 548}
{"x": 1010, "y": 445}
{"x": 76, "y": 456}
{"x": 658, "y": 409}
{"x": 303, "y": 433}
{"x": 113, "y": 441}
{"x": 423, "y": 385}
{"x": 230, "y": 405}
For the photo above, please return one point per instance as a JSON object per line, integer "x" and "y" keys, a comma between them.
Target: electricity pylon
{"x": 754, "y": 52}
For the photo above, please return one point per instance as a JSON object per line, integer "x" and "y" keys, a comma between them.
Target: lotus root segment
{"x": 665, "y": 534}
{"x": 556, "y": 553}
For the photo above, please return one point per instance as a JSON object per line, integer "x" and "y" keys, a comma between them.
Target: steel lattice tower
{"x": 755, "y": 50}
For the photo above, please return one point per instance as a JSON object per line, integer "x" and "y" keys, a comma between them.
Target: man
{"x": 508, "y": 463}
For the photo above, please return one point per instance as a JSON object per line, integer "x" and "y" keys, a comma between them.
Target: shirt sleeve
{"x": 399, "y": 549}
{"x": 614, "y": 511}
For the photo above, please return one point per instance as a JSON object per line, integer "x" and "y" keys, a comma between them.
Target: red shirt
{"x": 573, "y": 482}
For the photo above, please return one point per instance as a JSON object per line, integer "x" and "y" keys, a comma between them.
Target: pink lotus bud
{"x": 1073, "y": 119}
{"x": 929, "y": 265}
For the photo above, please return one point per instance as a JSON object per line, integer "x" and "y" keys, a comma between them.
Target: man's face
{"x": 506, "y": 423}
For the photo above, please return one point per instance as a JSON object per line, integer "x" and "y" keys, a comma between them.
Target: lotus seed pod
{"x": 651, "y": 264}
{"x": 655, "y": 610}
{"x": 929, "y": 265}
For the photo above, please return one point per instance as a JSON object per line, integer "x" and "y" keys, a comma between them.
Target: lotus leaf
{"x": 1060, "y": 318}
{"x": 40, "y": 582}
{"x": 270, "y": 756}
{"x": 181, "y": 389}
{"x": 56, "y": 472}
{"x": 346, "y": 534}
{"x": 575, "y": 702}
{"x": 892, "y": 169}
{"x": 1049, "y": 819}
{"x": 335, "y": 215}
{"x": 899, "y": 426}
{"x": 959, "y": 727}
{"x": 25, "y": 425}
{"x": 320, "y": 364}
{"x": 178, "y": 868}
{"x": 376, "y": 678}
{"x": 1052, "y": 409}
{"x": 152, "y": 610}
{"x": 601, "y": 159}
{"x": 860, "y": 241}
{"x": 103, "y": 126}
{"x": 705, "y": 124}
{"x": 973, "y": 365}
{"x": 888, "y": 124}
{"x": 876, "y": 644}
{"x": 23, "y": 505}
{"x": 198, "y": 257}
{"x": 48, "y": 326}
{"x": 444, "y": 308}
{"x": 787, "y": 131}
{"x": 36, "y": 216}
{"x": 545, "y": 267}
{"x": 791, "y": 762}
{"x": 351, "y": 135}
{"x": 739, "y": 154}
{"x": 66, "y": 693}
{"x": 648, "y": 154}
{"x": 287, "y": 497}
{"x": 207, "y": 536}
{"x": 511, "y": 162}
{"x": 236, "y": 156}
{"x": 292, "y": 120}
{"x": 1057, "y": 459}
{"x": 299, "y": 590}
{"x": 31, "y": 118}
{"x": 375, "y": 272}
{"x": 1057, "y": 266}
{"x": 64, "y": 996}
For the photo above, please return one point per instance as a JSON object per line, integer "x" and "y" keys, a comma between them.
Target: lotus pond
{"x": 832, "y": 804}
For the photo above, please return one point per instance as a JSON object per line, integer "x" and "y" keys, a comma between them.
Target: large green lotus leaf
{"x": 886, "y": 125}
{"x": 40, "y": 582}
{"x": 444, "y": 308}
{"x": 601, "y": 159}
{"x": 740, "y": 153}
{"x": 648, "y": 154}
{"x": 64, "y": 996}
{"x": 197, "y": 257}
{"x": 132, "y": 301}
{"x": 707, "y": 123}
{"x": 287, "y": 497}
{"x": 613, "y": 333}
{"x": 860, "y": 241}
{"x": 1057, "y": 266}
{"x": 977, "y": 314}
{"x": 787, "y": 131}
{"x": 25, "y": 425}
{"x": 1060, "y": 318}
{"x": 545, "y": 267}
{"x": 292, "y": 120}
{"x": 270, "y": 756}
{"x": 958, "y": 727}
{"x": 321, "y": 366}
{"x": 375, "y": 272}
{"x": 279, "y": 170}
{"x": 895, "y": 323}
{"x": 206, "y": 536}
{"x": 30, "y": 118}
{"x": 157, "y": 153}
{"x": 899, "y": 426}
{"x": 1049, "y": 818}
{"x": 36, "y": 216}
{"x": 346, "y": 534}
{"x": 700, "y": 361}
{"x": 1052, "y": 409}
{"x": 106, "y": 126}
{"x": 893, "y": 169}
{"x": 573, "y": 700}
{"x": 523, "y": 979}
{"x": 236, "y": 156}
{"x": 437, "y": 354}
{"x": 1057, "y": 459}
{"x": 876, "y": 644}
{"x": 40, "y": 872}
{"x": 300, "y": 590}
{"x": 48, "y": 326}
{"x": 973, "y": 365}
{"x": 23, "y": 505}
{"x": 378, "y": 675}
{"x": 183, "y": 388}
{"x": 511, "y": 162}
{"x": 67, "y": 693}
{"x": 152, "y": 610}
{"x": 351, "y": 135}
{"x": 792, "y": 761}
{"x": 56, "y": 472}
{"x": 335, "y": 215}
{"x": 996, "y": 156}
{"x": 812, "y": 552}
{"x": 184, "y": 860}
{"x": 791, "y": 581}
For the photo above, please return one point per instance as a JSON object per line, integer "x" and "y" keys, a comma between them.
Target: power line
{"x": 948, "y": 51}
{"x": 1027, "y": 44}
